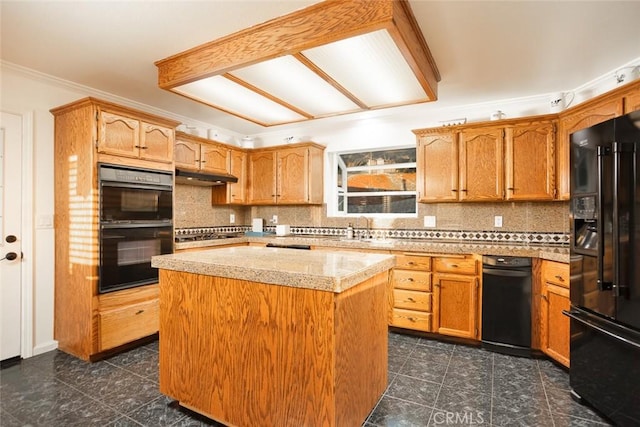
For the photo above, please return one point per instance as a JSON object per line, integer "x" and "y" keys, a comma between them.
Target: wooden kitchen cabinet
{"x": 410, "y": 296}
{"x": 554, "y": 325}
{"x": 124, "y": 135}
{"x": 530, "y": 161}
{"x": 289, "y": 174}
{"x": 87, "y": 132}
{"x": 631, "y": 97}
{"x": 234, "y": 193}
{"x": 200, "y": 154}
{"x": 437, "y": 165}
{"x": 456, "y": 296}
{"x": 512, "y": 160}
{"x": 481, "y": 164}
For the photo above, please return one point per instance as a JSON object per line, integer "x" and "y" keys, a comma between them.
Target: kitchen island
{"x": 253, "y": 336}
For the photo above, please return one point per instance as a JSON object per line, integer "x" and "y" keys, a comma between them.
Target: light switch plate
{"x": 232, "y": 218}
{"x": 429, "y": 221}
{"x": 274, "y": 219}
{"x": 497, "y": 221}
{"x": 44, "y": 221}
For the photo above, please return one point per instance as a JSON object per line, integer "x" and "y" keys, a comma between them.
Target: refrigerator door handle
{"x": 602, "y": 151}
{"x": 578, "y": 318}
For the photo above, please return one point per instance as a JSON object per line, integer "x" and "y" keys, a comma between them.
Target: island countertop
{"x": 332, "y": 271}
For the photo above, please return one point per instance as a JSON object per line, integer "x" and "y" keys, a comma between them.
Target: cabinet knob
{"x": 411, "y": 263}
{"x": 454, "y": 265}
{"x": 410, "y": 279}
{"x": 411, "y": 299}
{"x": 560, "y": 278}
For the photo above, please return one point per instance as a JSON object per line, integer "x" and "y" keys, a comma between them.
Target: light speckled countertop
{"x": 332, "y": 271}
{"x": 553, "y": 253}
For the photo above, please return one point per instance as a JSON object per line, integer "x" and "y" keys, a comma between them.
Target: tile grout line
{"x": 546, "y": 396}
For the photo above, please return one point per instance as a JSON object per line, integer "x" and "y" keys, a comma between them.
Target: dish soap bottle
{"x": 350, "y": 231}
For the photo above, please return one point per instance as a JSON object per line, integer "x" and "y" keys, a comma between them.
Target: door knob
{"x": 10, "y": 256}
{"x": 10, "y": 238}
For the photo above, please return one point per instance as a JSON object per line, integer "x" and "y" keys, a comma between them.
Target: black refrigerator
{"x": 605, "y": 268}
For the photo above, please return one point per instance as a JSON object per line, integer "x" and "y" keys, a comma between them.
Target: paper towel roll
{"x": 257, "y": 225}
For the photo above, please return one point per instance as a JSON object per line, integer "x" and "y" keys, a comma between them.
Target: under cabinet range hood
{"x": 204, "y": 179}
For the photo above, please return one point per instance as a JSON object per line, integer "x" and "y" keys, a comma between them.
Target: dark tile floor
{"x": 431, "y": 383}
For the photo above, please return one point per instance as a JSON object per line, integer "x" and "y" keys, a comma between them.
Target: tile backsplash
{"x": 193, "y": 209}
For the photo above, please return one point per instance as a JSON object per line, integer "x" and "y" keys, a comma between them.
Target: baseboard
{"x": 45, "y": 347}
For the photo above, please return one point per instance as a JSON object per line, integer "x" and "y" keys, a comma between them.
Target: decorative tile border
{"x": 516, "y": 238}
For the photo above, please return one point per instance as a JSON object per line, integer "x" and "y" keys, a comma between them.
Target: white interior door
{"x": 10, "y": 229}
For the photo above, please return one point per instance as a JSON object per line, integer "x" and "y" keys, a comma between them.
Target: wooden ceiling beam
{"x": 316, "y": 25}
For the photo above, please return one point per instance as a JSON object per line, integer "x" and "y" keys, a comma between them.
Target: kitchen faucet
{"x": 367, "y": 233}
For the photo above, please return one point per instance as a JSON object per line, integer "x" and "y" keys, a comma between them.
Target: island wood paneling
{"x": 246, "y": 353}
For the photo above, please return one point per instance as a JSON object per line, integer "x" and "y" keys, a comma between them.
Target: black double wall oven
{"x": 136, "y": 223}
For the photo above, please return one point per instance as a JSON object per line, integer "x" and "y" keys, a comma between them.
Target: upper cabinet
{"x": 631, "y": 97}
{"x": 199, "y": 154}
{"x": 488, "y": 161}
{"x": 481, "y": 164}
{"x": 530, "y": 161}
{"x": 233, "y": 193}
{"x": 289, "y": 174}
{"x": 437, "y": 165}
{"x": 125, "y": 135}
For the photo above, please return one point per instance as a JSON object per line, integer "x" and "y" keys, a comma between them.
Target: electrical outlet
{"x": 232, "y": 218}
{"x": 497, "y": 221}
{"x": 429, "y": 221}
{"x": 274, "y": 219}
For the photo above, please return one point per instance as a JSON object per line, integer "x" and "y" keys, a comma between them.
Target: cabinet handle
{"x": 203, "y": 161}
{"x": 411, "y": 263}
{"x": 465, "y": 190}
{"x": 437, "y": 285}
{"x": 511, "y": 189}
{"x": 560, "y": 278}
{"x": 455, "y": 191}
{"x": 454, "y": 265}
{"x": 410, "y": 279}
{"x": 144, "y": 148}
{"x": 411, "y": 299}
{"x": 139, "y": 312}
{"x": 544, "y": 297}
{"x": 411, "y": 319}
{"x": 136, "y": 146}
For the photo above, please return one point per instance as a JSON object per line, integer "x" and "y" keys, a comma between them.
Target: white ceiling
{"x": 485, "y": 50}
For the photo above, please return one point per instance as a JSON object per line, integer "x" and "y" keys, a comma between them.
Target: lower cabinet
{"x": 127, "y": 315}
{"x": 554, "y": 325}
{"x": 457, "y": 296}
{"x": 127, "y": 323}
{"x": 436, "y": 293}
{"x": 411, "y": 292}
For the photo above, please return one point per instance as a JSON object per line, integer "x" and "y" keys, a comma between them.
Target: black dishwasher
{"x": 506, "y": 304}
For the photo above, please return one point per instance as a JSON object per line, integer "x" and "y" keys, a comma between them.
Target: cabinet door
{"x": 632, "y": 99}
{"x": 237, "y": 190}
{"x": 530, "y": 161}
{"x": 187, "y": 154}
{"x": 554, "y": 326}
{"x": 438, "y": 167}
{"x": 156, "y": 143}
{"x": 262, "y": 177}
{"x": 455, "y": 305}
{"x": 214, "y": 158}
{"x": 119, "y": 135}
{"x": 481, "y": 164}
{"x": 292, "y": 179}
{"x": 573, "y": 121}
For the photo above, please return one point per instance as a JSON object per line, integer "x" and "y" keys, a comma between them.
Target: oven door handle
{"x": 159, "y": 224}
{"x": 136, "y": 186}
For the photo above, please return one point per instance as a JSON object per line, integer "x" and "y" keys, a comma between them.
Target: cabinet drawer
{"x": 555, "y": 272}
{"x": 409, "y": 319}
{"x": 413, "y": 262}
{"x": 412, "y": 300}
{"x": 414, "y": 280}
{"x": 456, "y": 265}
{"x": 128, "y": 323}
